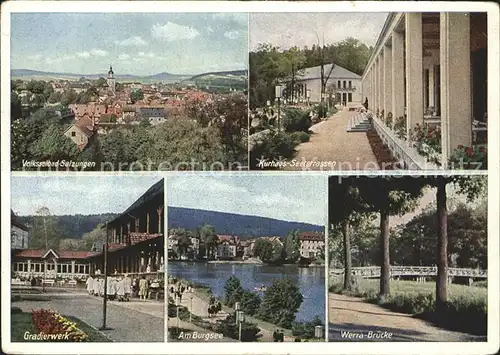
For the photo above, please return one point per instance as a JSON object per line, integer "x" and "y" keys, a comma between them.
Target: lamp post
{"x": 308, "y": 95}
{"x": 104, "y": 306}
{"x": 190, "y": 305}
{"x": 240, "y": 318}
{"x": 278, "y": 91}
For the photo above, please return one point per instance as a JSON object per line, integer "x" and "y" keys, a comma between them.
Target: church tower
{"x": 111, "y": 80}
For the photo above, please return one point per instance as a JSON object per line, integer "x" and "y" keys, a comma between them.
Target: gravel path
{"x": 134, "y": 321}
{"x": 332, "y": 143}
{"x": 349, "y": 317}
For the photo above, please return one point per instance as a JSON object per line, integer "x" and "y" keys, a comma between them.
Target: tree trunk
{"x": 347, "y": 257}
{"x": 442, "y": 245}
{"x": 384, "y": 254}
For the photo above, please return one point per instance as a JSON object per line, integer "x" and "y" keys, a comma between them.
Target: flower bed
{"x": 62, "y": 329}
{"x": 382, "y": 153}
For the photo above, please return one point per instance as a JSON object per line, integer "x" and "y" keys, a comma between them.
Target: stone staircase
{"x": 359, "y": 123}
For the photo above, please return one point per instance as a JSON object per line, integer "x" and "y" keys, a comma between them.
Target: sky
{"x": 64, "y": 195}
{"x": 134, "y": 43}
{"x": 286, "y": 30}
{"x": 297, "y": 198}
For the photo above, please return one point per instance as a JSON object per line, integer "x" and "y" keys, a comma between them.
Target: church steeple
{"x": 111, "y": 80}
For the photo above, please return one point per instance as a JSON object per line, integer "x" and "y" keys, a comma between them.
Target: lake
{"x": 310, "y": 280}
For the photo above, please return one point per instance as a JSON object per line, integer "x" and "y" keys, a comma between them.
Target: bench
{"x": 48, "y": 282}
{"x": 72, "y": 283}
{"x": 158, "y": 293}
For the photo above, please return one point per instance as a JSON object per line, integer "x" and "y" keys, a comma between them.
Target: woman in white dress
{"x": 120, "y": 291}
{"x": 95, "y": 286}
{"x": 90, "y": 285}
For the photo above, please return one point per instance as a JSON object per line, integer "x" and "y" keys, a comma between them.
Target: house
{"x": 128, "y": 114}
{"x": 92, "y": 110}
{"x": 430, "y": 67}
{"x": 154, "y": 115}
{"x": 342, "y": 84}
{"x": 19, "y": 233}
{"x": 80, "y": 134}
{"x": 226, "y": 249}
{"x": 312, "y": 244}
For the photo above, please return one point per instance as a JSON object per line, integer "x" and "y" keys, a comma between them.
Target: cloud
{"x": 232, "y": 34}
{"x": 173, "y": 32}
{"x": 148, "y": 54}
{"x": 94, "y": 52}
{"x": 240, "y": 18}
{"x": 123, "y": 56}
{"x": 134, "y": 41}
{"x": 99, "y": 52}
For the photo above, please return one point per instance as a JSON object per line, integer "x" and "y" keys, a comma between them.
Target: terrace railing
{"x": 374, "y": 271}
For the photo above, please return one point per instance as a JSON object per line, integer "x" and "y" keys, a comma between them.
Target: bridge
{"x": 369, "y": 272}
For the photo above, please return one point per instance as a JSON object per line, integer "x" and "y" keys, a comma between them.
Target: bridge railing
{"x": 374, "y": 271}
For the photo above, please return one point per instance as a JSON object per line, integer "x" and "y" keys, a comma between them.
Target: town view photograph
{"x": 383, "y": 97}
{"x": 129, "y": 91}
{"x": 246, "y": 258}
{"x": 408, "y": 258}
{"x": 92, "y": 271}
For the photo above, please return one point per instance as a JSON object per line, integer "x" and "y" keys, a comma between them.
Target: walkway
{"x": 332, "y": 143}
{"x": 134, "y": 321}
{"x": 350, "y": 316}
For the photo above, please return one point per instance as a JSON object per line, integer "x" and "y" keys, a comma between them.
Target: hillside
{"x": 74, "y": 226}
{"x": 229, "y": 223}
{"x": 231, "y": 73}
{"x": 28, "y": 74}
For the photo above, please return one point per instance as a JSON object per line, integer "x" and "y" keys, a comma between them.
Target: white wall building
{"x": 430, "y": 68}
{"x": 311, "y": 245}
{"x": 342, "y": 84}
{"x": 19, "y": 233}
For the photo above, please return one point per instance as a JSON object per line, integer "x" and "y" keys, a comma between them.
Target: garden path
{"x": 330, "y": 142}
{"x": 352, "y": 314}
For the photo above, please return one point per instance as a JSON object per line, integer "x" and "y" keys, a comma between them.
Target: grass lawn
{"x": 411, "y": 287}
{"x": 21, "y": 322}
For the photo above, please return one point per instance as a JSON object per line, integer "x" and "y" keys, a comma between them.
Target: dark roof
{"x": 152, "y": 111}
{"x": 15, "y": 221}
{"x": 150, "y": 194}
{"x": 312, "y": 236}
{"x": 63, "y": 254}
{"x": 337, "y": 73}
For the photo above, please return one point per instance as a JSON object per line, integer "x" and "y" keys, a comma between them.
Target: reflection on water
{"x": 310, "y": 280}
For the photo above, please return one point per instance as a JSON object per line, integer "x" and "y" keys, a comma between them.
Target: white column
{"x": 414, "y": 83}
{"x": 382, "y": 81}
{"x": 431, "y": 86}
{"x": 398, "y": 100}
{"x": 72, "y": 269}
{"x": 456, "y": 105}
{"x": 388, "y": 81}
{"x": 377, "y": 76}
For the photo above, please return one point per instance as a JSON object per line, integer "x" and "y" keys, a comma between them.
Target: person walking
{"x": 366, "y": 104}
{"x": 143, "y": 288}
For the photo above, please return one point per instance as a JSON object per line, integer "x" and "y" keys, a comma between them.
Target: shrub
{"x": 229, "y": 328}
{"x": 321, "y": 110}
{"x": 273, "y": 147}
{"x": 306, "y": 329}
{"x": 400, "y": 127}
{"x": 296, "y": 120}
{"x": 14, "y": 310}
{"x": 300, "y": 137}
{"x": 280, "y": 303}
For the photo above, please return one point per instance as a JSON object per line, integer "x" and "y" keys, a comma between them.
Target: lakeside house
{"x": 226, "y": 248}
{"x": 135, "y": 244}
{"x": 312, "y": 244}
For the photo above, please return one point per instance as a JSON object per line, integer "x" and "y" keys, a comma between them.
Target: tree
{"x": 292, "y": 247}
{"x": 113, "y": 147}
{"x": 183, "y": 244}
{"x": 101, "y": 82}
{"x": 54, "y": 145}
{"x": 280, "y": 303}
{"x": 471, "y": 186}
{"x": 45, "y": 232}
{"x": 95, "y": 237}
{"x": 292, "y": 64}
{"x": 181, "y": 144}
{"x": 233, "y": 291}
{"x": 15, "y": 106}
{"x": 387, "y": 196}
{"x": 209, "y": 238}
{"x": 136, "y": 95}
{"x": 68, "y": 97}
